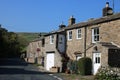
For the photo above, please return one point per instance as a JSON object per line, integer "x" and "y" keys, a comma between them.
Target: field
{"x": 29, "y": 36}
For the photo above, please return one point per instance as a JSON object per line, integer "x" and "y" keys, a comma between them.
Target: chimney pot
{"x": 62, "y": 26}
{"x": 107, "y": 4}
{"x": 107, "y": 10}
{"x": 71, "y": 20}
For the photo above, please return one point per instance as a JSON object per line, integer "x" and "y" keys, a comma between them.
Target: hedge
{"x": 85, "y": 66}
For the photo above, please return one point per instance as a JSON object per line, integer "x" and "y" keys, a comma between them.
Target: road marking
{"x": 50, "y": 74}
{"x": 55, "y": 77}
{"x": 60, "y": 79}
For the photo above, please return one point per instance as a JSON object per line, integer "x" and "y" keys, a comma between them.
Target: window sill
{"x": 79, "y": 38}
{"x": 69, "y": 39}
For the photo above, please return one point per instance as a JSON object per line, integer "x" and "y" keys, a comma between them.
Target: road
{"x": 17, "y": 69}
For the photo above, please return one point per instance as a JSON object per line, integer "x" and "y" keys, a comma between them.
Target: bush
{"x": 85, "y": 66}
{"x": 106, "y": 73}
{"x": 72, "y": 66}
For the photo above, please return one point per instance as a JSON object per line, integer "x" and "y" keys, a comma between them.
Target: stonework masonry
{"x": 32, "y": 52}
{"x": 108, "y": 32}
{"x": 52, "y": 48}
{"x": 75, "y": 44}
{"x": 109, "y": 38}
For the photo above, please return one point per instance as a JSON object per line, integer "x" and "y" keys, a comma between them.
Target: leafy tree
{"x": 11, "y": 45}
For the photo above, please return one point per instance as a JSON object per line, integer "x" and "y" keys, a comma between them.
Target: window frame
{"x": 79, "y": 33}
{"x": 51, "y": 39}
{"x": 60, "y": 40}
{"x": 95, "y": 35}
{"x": 69, "y": 35}
{"x": 97, "y": 58}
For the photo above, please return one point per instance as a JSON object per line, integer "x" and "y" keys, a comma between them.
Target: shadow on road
{"x": 12, "y": 62}
{"x": 19, "y": 71}
{"x": 17, "y": 66}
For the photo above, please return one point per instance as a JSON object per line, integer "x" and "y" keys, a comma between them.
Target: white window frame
{"x": 69, "y": 35}
{"x": 98, "y": 58}
{"x": 79, "y": 33}
{"x": 51, "y": 39}
{"x": 95, "y": 35}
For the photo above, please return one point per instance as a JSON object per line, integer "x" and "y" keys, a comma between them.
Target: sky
{"x": 47, "y": 15}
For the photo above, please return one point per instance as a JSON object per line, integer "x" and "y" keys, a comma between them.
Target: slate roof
{"x": 94, "y": 21}
{"x": 56, "y": 31}
{"x": 88, "y": 23}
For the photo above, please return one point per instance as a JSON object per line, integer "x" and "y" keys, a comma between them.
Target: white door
{"x": 78, "y": 57}
{"x": 49, "y": 61}
{"x": 96, "y": 62}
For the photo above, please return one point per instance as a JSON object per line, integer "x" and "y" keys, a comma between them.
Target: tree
{"x": 11, "y": 45}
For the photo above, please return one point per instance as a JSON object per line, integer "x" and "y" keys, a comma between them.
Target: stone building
{"x": 98, "y": 39}
{"x": 48, "y": 50}
{"x": 35, "y": 51}
{"x": 54, "y": 49}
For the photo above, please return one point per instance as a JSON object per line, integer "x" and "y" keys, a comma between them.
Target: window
{"x": 60, "y": 40}
{"x": 43, "y": 42}
{"x": 78, "y": 33}
{"x": 51, "y": 39}
{"x": 95, "y": 35}
{"x": 97, "y": 58}
{"x": 69, "y": 35}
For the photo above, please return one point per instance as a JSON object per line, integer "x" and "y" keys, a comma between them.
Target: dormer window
{"x": 69, "y": 35}
{"x": 51, "y": 39}
{"x": 95, "y": 35}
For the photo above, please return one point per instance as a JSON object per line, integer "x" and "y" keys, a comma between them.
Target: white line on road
{"x": 50, "y": 74}
{"x": 55, "y": 77}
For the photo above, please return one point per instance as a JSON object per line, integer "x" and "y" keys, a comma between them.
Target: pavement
{"x": 17, "y": 69}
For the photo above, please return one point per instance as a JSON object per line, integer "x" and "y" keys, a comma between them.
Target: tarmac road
{"x": 17, "y": 69}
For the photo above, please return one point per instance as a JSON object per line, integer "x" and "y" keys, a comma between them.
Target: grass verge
{"x": 77, "y": 77}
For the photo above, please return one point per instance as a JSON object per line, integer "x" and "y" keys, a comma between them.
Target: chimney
{"x": 71, "y": 20}
{"x": 107, "y": 4}
{"x": 107, "y": 10}
{"x": 61, "y": 26}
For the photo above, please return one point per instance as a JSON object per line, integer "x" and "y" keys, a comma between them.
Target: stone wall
{"x": 109, "y": 32}
{"x": 75, "y": 44}
{"x": 32, "y": 52}
{"x": 52, "y": 48}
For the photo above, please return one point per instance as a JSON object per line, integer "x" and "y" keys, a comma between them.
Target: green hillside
{"x": 29, "y": 36}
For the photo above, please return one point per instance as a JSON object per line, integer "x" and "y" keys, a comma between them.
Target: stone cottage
{"x": 98, "y": 39}
{"x": 54, "y": 49}
{"x": 35, "y": 51}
